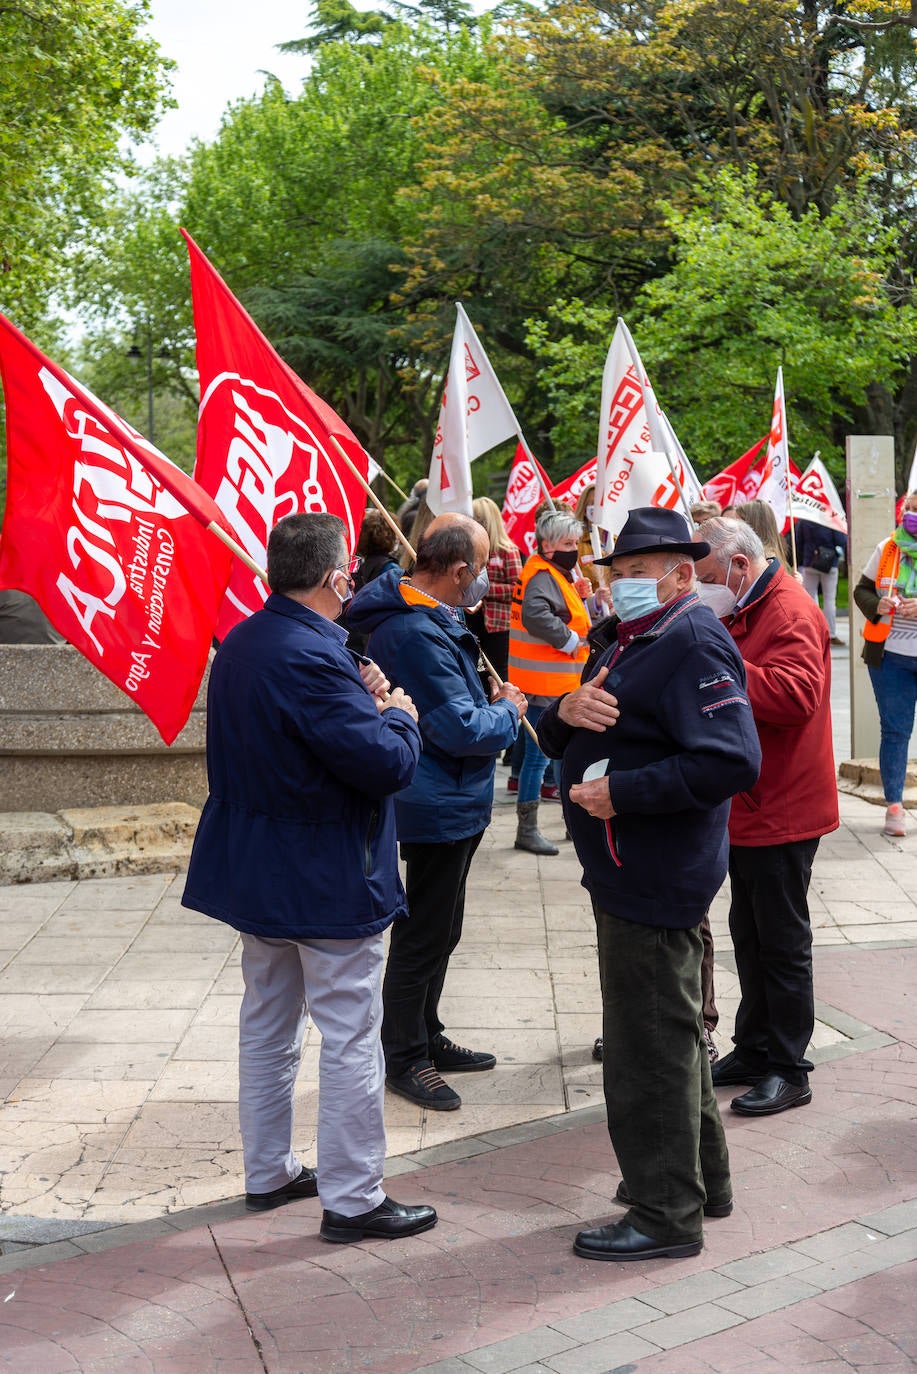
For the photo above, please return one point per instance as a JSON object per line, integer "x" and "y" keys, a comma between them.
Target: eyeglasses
{"x": 351, "y": 567}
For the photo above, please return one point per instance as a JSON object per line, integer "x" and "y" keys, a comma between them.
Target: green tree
{"x": 76, "y": 76}
{"x": 751, "y": 287}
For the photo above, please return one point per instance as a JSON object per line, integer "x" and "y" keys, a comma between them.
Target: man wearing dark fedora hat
{"x": 654, "y": 744}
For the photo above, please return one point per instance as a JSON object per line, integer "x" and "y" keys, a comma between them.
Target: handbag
{"x": 824, "y": 558}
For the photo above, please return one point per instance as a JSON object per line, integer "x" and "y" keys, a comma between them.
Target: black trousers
{"x": 772, "y": 937}
{"x": 420, "y": 947}
{"x": 663, "y": 1118}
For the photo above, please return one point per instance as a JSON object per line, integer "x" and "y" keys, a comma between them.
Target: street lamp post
{"x": 135, "y": 354}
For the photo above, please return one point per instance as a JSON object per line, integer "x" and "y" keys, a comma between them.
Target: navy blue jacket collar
{"x": 285, "y": 605}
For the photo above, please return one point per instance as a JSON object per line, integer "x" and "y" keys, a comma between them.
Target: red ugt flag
{"x": 524, "y": 494}
{"x": 103, "y": 531}
{"x": 739, "y": 482}
{"x": 264, "y": 438}
{"x": 572, "y": 487}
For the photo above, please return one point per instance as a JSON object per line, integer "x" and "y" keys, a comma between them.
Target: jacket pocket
{"x": 368, "y": 842}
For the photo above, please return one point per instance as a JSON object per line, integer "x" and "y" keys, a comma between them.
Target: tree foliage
{"x": 735, "y": 176}
{"x": 75, "y": 77}
{"x": 750, "y": 288}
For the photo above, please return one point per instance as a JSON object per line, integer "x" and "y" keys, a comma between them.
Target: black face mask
{"x": 565, "y": 560}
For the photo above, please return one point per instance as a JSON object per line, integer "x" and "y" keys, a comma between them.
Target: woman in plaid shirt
{"x": 491, "y": 622}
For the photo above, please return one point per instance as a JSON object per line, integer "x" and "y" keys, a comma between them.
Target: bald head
{"x": 454, "y": 548}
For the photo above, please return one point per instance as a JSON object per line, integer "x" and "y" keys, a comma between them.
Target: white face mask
{"x": 718, "y": 595}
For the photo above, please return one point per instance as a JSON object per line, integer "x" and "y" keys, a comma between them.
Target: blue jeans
{"x": 534, "y": 763}
{"x": 895, "y": 685}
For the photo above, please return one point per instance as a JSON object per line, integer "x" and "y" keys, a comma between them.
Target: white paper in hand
{"x": 596, "y": 770}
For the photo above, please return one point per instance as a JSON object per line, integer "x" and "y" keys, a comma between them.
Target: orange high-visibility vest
{"x": 535, "y": 667}
{"x": 886, "y": 579}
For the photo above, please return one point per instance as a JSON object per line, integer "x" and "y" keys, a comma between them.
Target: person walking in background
{"x": 548, "y": 648}
{"x": 775, "y": 826}
{"x": 887, "y": 595}
{"x": 819, "y": 550}
{"x": 296, "y": 849}
{"x": 417, "y": 634}
{"x": 491, "y": 621}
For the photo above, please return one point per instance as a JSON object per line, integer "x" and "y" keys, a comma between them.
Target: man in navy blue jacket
{"x": 417, "y": 633}
{"x": 296, "y": 849}
{"x": 654, "y": 744}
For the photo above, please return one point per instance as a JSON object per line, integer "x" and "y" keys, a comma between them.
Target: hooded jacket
{"x": 423, "y": 649}
{"x": 297, "y": 837}
{"x": 684, "y": 743}
{"x": 783, "y": 639}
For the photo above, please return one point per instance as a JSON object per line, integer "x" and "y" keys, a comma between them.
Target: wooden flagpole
{"x": 392, "y": 483}
{"x": 403, "y": 539}
{"x": 237, "y": 549}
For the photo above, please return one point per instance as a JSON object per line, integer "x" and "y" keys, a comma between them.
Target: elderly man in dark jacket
{"x": 296, "y": 849}
{"x": 417, "y": 633}
{"x": 654, "y": 745}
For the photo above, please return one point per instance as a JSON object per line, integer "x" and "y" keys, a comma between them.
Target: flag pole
{"x": 679, "y": 488}
{"x": 392, "y": 483}
{"x": 403, "y": 539}
{"x": 789, "y": 502}
{"x": 237, "y": 549}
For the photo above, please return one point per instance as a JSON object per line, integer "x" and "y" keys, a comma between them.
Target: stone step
{"x": 861, "y": 778}
{"x": 95, "y": 842}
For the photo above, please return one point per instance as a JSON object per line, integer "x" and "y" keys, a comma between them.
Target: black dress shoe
{"x": 731, "y": 1071}
{"x": 621, "y": 1241}
{"x": 772, "y": 1094}
{"x": 305, "y": 1185}
{"x": 711, "y": 1209}
{"x": 388, "y": 1221}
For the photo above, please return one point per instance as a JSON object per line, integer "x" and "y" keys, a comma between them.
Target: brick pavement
{"x": 125, "y": 1246}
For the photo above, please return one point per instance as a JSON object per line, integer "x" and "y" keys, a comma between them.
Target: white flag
{"x": 912, "y": 475}
{"x": 474, "y": 417}
{"x": 815, "y": 498}
{"x": 634, "y": 437}
{"x": 775, "y": 472}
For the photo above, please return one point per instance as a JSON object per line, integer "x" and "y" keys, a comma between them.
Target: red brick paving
{"x": 500, "y": 1261}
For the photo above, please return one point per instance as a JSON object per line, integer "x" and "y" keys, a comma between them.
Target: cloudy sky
{"x": 221, "y": 51}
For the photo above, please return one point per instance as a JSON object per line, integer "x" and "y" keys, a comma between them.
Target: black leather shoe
{"x": 711, "y": 1209}
{"x": 305, "y": 1185}
{"x": 772, "y": 1094}
{"x": 598, "y": 1046}
{"x": 731, "y": 1071}
{"x": 449, "y": 1058}
{"x": 621, "y": 1241}
{"x": 388, "y": 1221}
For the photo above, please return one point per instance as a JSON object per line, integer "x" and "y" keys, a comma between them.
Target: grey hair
{"x": 553, "y": 525}
{"x": 728, "y": 537}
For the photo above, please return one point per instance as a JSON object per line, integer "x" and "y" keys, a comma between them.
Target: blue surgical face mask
{"x": 476, "y": 590}
{"x": 633, "y": 597}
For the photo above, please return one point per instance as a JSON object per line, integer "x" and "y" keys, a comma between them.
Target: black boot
{"x": 528, "y": 836}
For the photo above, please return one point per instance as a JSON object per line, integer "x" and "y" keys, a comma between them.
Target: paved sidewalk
{"x": 124, "y": 1245}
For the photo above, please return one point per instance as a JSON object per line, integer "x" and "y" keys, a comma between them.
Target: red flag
{"x": 572, "y": 487}
{"x": 102, "y": 530}
{"x": 525, "y": 491}
{"x": 739, "y": 482}
{"x": 264, "y": 439}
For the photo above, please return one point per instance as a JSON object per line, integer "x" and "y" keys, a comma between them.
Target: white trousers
{"x": 812, "y": 579}
{"x": 339, "y": 984}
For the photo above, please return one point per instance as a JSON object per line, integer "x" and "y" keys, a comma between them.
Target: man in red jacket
{"x": 774, "y": 829}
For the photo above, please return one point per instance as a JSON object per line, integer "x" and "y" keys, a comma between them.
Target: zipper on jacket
{"x": 368, "y": 844}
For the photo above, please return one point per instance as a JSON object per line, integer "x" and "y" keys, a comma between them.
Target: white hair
{"x": 730, "y": 537}
{"x": 553, "y": 525}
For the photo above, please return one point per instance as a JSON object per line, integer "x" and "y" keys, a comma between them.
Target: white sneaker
{"x": 895, "y": 821}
